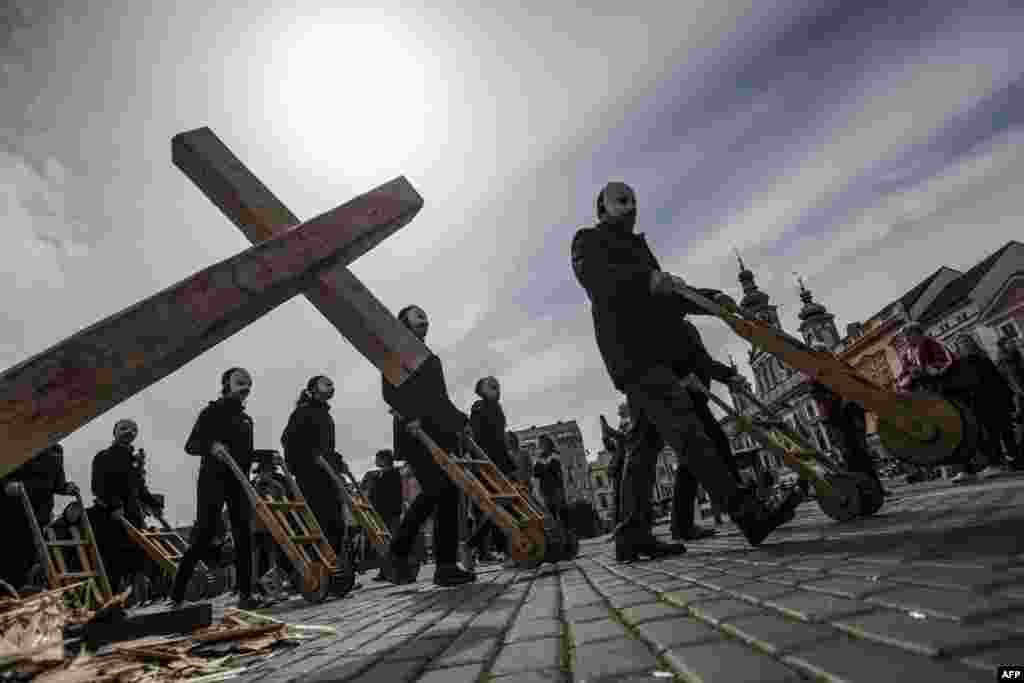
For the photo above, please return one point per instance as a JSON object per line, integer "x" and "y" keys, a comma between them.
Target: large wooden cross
{"x": 375, "y": 332}
{"x": 50, "y": 395}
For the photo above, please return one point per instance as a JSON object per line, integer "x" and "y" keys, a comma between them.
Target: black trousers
{"x": 122, "y": 558}
{"x": 443, "y": 504}
{"x": 20, "y": 551}
{"x": 684, "y": 494}
{"x": 664, "y": 411}
{"x": 217, "y": 486}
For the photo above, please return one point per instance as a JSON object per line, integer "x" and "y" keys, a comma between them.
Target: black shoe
{"x": 251, "y": 602}
{"x": 694, "y": 533}
{"x": 757, "y": 521}
{"x": 400, "y": 571}
{"x": 380, "y": 578}
{"x": 630, "y": 547}
{"x": 451, "y": 575}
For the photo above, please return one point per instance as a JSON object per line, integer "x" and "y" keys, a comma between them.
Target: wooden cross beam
{"x": 50, "y": 395}
{"x": 339, "y": 295}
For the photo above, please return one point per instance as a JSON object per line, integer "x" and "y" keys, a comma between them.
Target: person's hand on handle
{"x": 71, "y": 489}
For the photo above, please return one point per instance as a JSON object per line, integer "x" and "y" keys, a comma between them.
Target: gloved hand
{"x": 661, "y": 282}
{"x": 117, "y": 514}
{"x": 725, "y": 301}
{"x": 219, "y": 451}
{"x": 71, "y": 489}
{"x": 412, "y": 426}
{"x": 11, "y": 488}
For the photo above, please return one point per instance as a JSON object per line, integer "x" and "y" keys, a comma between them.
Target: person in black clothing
{"x": 684, "y": 495}
{"x": 632, "y": 302}
{"x": 438, "y": 495}
{"x": 551, "y": 480}
{"x": 120, "y": 493}
{"x": 976, "y": 379}
{"x": 310, "y": 433}
{"x": 43, "y": 477}
{"x": 488, "y": 422}
{"x": 847, "y": 424}
{"x": 384, "y": 489}
{"x": 223, "y": 430}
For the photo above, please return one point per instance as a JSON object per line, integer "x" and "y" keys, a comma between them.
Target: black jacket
{"x": 697, "y": 359}
{"x": 117, "y": 482}
{"x": 408, "y": 448}
{"x": 489, "y": 424}
{"x": 633, "y": 326}
{"x": 309, "y": 433}
{"x": 548, "y": 473}
{"x": 226, "y": 421}
{"x": 385, "y": 492}
{"x": 43, "y": 477}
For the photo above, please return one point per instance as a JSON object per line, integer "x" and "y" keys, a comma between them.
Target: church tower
{"x": 741, "y": 404}
{"x": 816, "y": 323}
{"x": 769, "y": 372}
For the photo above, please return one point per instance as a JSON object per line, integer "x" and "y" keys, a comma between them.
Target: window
{"x": 1009, "y": 330}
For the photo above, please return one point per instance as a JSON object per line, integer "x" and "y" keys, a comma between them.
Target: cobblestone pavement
{"x": 931, "y": 589}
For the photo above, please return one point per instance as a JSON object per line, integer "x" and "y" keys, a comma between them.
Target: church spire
{"x": 816, "y": 323}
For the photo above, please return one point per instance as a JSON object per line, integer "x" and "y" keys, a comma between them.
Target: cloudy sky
{"x": 859, "y": 145}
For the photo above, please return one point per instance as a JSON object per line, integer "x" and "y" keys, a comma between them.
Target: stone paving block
{"x": 405, "y": 671}
{"x": 948, "y": 577}
{"x": 467, "y": 649}
{"x": 666, "y": 633}
{"x": 343, "y": 669}
{"x": 758, "y": 593}
{"x": 469, "y": 673}
{"x": 818, "y": 563}
{"x": 749, "y": 571}
{"x": 595, "y": 631}
{"x": 776, "y": 634}
{"x": 588, "y": 613}
{"x": 539, "y": 610}
{"x": 722, "y": 582}
{"x": 848, "y": 659}
{"x": 845, "y": 586}
{"x": 581, "y": 598}
{"x": 500, "y": 618}
{"x": 534, "y": 629}
{"x": 720, "y": 610}
{"x": 815, "y": 607}
{"x": 790, "y": 577}
{"x": 932, "y": 637}
{"x": 636, "y": 596}
{"x": 728, "y": 660}
{"x": 422, "y": 648}
{"x": 868, "y": 572}
{"x": 1009, "y": 653}
{"x": 942, "y": 603}
{"x": 382, "y": 643}
{"x": 606, "y": 660}
{"x": 684, "y": 596}
{"x": 638, "y": 614}
{"x": 542, "y": 676}
{"x": 528, "y": 656}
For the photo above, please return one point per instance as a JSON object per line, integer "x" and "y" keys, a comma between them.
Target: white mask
{"x": 239, "y": 384}
{"x": 619, "y": 199}
{"x": 324, "y": 388}
{"x": 125, "y": 431}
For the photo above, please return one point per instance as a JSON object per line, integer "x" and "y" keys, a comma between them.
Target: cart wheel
{"x": 872, "y": 495}
{"x": 844, "y": 503}
{"x": 316, "y": 586}
{"x": 344, "y": 578}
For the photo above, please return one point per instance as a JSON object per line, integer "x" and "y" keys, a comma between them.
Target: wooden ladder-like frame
{"x": 295, "y": 529}
{"x": 363, "y": 512}
{"x": 520, "y": 518}
{"x": 51, "y": 549}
